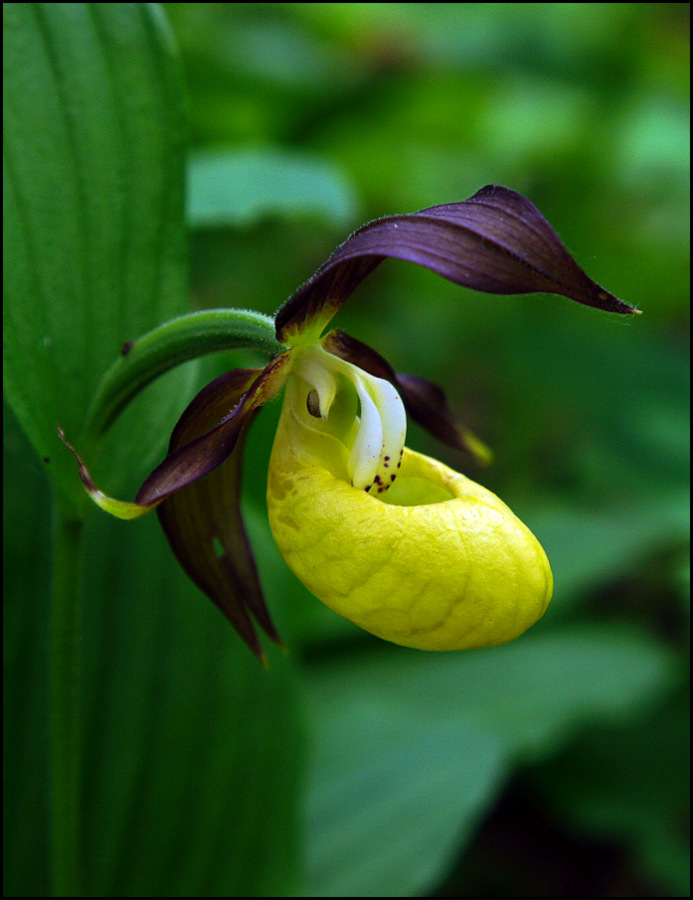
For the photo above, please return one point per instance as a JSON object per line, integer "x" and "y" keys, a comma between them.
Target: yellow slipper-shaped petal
{"x": 437, "y": 562}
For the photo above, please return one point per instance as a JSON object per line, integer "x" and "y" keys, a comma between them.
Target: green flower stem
{"x": 169, "y": 345}
{"x": 65, "y": 705}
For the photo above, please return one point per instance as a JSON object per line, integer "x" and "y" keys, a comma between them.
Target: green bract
{"x": 394, "y": 541}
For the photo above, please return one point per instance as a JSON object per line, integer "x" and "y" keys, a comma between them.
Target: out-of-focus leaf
{"x": 93, "y": 208}
{"x": 612, "y": 542}
{"x": 390, "y": 801}
{"x": 192, "y": 751}
{"x": 26, "y": 586}
{"x": 240, "y": 187}
{"x": 429, "y": 736}
{"x": 630, "y": 786}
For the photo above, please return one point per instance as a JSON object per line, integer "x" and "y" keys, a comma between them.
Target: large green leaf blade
{"x": 416, "y": 747}
{"x": 93, "y": 186}
{"x": 191, "y": 750}
{"x": 189, "y": 747}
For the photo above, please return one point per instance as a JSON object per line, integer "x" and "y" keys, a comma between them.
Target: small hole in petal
{"x": 313, "y": 404}
{"x": 218, "y": 548}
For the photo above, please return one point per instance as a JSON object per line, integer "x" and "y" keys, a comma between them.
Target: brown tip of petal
{"x": 118, "y": 508}
{"x": 509, "y": 247}
{"x": 83, "y": 471}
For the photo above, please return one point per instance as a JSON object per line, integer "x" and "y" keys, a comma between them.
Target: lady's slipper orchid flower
{"x": 394, "y": 541}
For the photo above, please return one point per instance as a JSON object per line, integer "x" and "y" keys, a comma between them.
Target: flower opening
{"x": 374, "y": 435}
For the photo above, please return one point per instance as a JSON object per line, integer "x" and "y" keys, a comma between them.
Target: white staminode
{"x": 377, "y": 450}
{"x": 382, "y": 426}
{"x": 311, "y": 368}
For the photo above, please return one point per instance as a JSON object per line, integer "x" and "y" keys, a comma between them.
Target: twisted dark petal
{"x": 354, "y": 351}
{"x": 425, "y": 402}
{"x": 201, "y": 516}
{"x": 223, "y": 407}
{"x": 204, "y": 528}
{"x": 497, "y": 242}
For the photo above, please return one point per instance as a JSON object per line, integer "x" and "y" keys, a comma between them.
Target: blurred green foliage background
{"x": 555, "y": 766}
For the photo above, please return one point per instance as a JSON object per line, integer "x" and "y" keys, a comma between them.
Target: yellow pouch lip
{"x": 451, "y": 574}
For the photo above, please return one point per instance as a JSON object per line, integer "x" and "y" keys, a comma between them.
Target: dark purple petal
{"x": 227, "y": 401}
{"x": 354, "y": 351}
{"x": 204, "y": 528}
{"x": 202, "y": 518}
{"x": 425, "y": 402}
{"x": 497, "y": 242}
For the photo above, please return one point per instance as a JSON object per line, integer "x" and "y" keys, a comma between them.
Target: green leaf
{"x": 239, "y": 187}
{"x": 191, "y": 749}
{"x": 629, "y": 786}
{"x": 411, "y": 748}
{"x": 174, "y": 707}
{"x": 613, "y": 543}
{"x": 26, "y": 587}
{"x": 93, "y": 208}
{"x": 391, "y": 797}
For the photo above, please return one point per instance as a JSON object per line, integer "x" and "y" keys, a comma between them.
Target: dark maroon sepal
{"x": 497, "y": 242}
{"x": 201, "y": 516}
{"x": 343, "y": 345}
{"x": 224, "y": 403}
{"x": 205, "y": 530}
{"x": 427, "y": 404}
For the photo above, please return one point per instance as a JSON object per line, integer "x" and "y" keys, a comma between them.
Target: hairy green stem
{"x": 65, "y": 704}
{"x": 169, "y": 345}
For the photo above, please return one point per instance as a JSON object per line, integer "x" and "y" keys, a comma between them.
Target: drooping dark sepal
{"x": 218, "y": 412}
{"x": 427, "y": 404}
{"x": 497, "y": 242}
{"x": 202, "y": 520}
